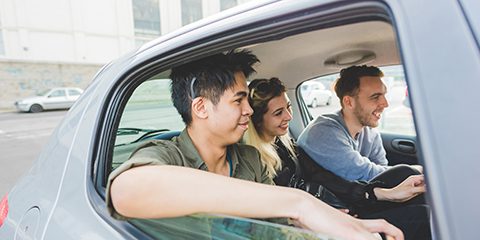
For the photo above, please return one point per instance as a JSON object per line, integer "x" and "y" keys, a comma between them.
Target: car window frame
{"x": 262, "y": 31}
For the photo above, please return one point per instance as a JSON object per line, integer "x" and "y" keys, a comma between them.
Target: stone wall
{"x": 24, "y": 79}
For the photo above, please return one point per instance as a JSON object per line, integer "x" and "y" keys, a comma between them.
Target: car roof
{"x": 326, "y": 51}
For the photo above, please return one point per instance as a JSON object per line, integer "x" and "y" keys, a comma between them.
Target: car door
{"x": 56, "y": 99}
{"x": 442, "y": 62}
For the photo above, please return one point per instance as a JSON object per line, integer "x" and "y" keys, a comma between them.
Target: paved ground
{"x": 22, "y": 137}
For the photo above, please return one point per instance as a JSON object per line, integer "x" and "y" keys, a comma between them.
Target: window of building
{"x": 146, "y": 17}
{"x": 226, "y": 4}
{"x": 191, "y": 11}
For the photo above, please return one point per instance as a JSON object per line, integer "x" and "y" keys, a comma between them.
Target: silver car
{"x": 436, "y": 43}
{"x": 55, "y": 98}
{"x": 315, "y": 94}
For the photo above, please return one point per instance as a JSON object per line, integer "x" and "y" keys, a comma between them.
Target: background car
{"x": 55, "y": 98}
{"x": 315, "y": 94}
{"x": 63, "y": 195}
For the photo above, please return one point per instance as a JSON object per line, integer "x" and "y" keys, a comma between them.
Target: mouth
{"x": 377, "y": 114}
{"x": 243, "y": 125}
{"x": 284, "y": 126}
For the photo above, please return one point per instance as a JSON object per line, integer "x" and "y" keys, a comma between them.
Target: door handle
{"x": 404, "y": 145}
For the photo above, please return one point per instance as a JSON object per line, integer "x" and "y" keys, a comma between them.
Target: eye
{"x": 375, "y": 97}
{"x": 278, "y": 113}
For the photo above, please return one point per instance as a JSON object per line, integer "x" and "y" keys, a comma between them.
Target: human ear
{"x": 348, "y": 101}
{"x": 199, "y": 108}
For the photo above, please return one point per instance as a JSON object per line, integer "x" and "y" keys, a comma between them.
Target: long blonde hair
{"x": 261, "y": 92}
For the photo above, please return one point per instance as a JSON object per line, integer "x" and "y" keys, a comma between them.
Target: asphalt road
{"x": 22, "y": 137}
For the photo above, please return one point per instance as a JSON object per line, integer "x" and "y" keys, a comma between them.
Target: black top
{"x": 352, "y": 193}
{"x": 289, "y": 163}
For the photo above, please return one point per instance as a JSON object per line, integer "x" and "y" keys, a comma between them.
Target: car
{"x": 315, "y": 94}
{"x": 436, "y": 44}
{"x": 55, "y": 98}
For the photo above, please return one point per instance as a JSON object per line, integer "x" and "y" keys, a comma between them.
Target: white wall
{"x": 79, "y": 31}
{"x": 83, "y": 31}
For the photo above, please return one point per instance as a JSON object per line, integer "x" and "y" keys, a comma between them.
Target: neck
{"x": 268, "y": 138}
{"x": 353, "y": 126}
{"x": 212, "y": 153}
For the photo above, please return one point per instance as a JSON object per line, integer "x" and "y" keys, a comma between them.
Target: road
{"x": 22, "y": 137}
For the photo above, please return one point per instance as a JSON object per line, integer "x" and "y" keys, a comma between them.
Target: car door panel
{"x": 401, "y": 149}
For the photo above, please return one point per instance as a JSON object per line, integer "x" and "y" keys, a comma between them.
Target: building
{"x": 53, "y": 43}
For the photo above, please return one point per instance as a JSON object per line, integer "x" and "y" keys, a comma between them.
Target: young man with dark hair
{"x": 346, "y": 142}
{"x": 162, "y": 178}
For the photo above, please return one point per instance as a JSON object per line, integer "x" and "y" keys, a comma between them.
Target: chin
{"x": 236, "y": 137}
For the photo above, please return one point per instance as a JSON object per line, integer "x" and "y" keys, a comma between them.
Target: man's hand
{"x": 406, "y": 190}
{"x": 417, "y": 167}
{"x": 337, "y": 224}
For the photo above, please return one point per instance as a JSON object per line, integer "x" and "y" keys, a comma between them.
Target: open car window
{"x": 146, "y": 111}
{"x": 149, "y": 114}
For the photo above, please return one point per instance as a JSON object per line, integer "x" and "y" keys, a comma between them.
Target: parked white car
{"x": 315, "y": 94}
{"x": 55, "y": 98}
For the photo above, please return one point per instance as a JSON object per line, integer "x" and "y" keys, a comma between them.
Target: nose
{"x": 247, "y": 109}
{"x": 288, "y": 116}
{"x": 384, "y": 102}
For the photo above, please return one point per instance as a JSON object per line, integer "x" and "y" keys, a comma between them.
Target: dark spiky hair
{"x": 208, "y": 77}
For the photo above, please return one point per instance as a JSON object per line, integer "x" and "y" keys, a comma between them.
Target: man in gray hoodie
{"x": 347, "y": 143}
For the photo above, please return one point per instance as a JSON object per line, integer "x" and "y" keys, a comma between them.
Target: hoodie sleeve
{"x": 328, "y": 144}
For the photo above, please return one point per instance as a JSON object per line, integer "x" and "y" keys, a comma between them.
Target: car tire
{"x": 35, "y": 108}
{"x": 314, "y": 103}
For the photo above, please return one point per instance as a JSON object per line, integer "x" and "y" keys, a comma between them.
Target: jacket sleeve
{"x": 351, "y": 192}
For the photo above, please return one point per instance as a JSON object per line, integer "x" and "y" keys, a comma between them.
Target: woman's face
{"x": 275, "y": 120}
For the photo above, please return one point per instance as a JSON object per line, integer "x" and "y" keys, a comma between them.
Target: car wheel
{"x": 314, "y": 103}
{"x": 35, "y": 108}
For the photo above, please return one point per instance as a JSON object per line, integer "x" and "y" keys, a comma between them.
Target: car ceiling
{"x": 301, "y": 57}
